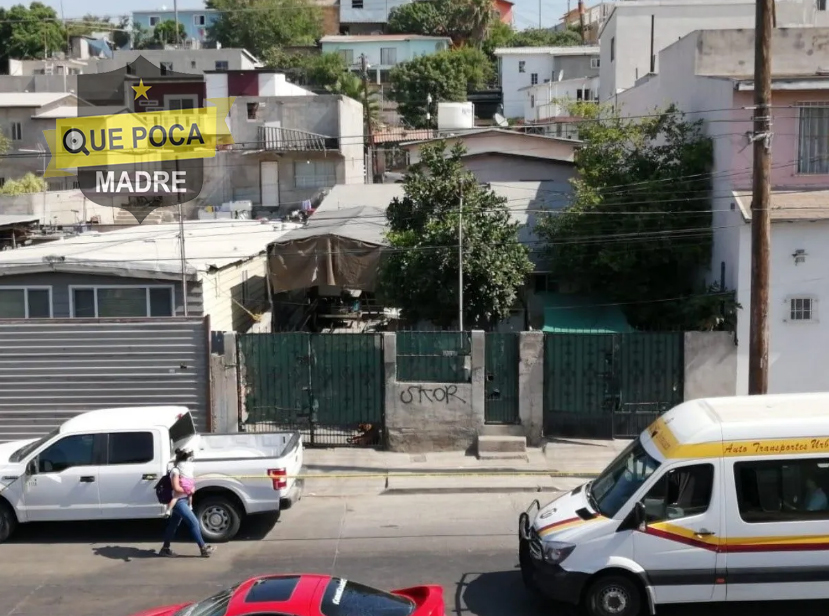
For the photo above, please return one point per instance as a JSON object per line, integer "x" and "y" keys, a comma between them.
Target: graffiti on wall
{"x": 418, "y": 394}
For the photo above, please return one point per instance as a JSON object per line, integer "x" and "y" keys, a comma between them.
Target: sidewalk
{"x": 355, "y": 472}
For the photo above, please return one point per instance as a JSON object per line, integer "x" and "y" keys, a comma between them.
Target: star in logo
{"x": 141, "y": 90}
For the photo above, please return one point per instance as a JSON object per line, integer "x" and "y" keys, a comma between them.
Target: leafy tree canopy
{"x": 638, "y": 231}
{"x": 322, "y": 70}
{"x": 445, "y": 76}
{"x": 541, "y": 37}
{"x": 30, "y": 33}
{"x": 29, "y": 183}
{"x": 164, "y": 33}
{"x": 464, "y": 21}
{"x": 420, "y": 272}
{"x": 260, "y": 25}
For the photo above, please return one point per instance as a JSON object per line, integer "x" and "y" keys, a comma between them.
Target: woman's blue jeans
{"x": 182, "y": 513}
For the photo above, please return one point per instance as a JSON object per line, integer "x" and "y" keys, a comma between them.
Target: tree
{"x": 540, "y": 37}
{"x": 141, "y": 37}
{"x": 350, "y": 85}
{"x": 424, "y": 18}
{"x": 88, "y": 24}
{"x": 261, "y": 25}
{"x": 322, "y": 70}
{"x": 5, "y": 143}
{"x": 444, "y": 76}
{"x": 638, "y": 231}
{"x": 29, "y": 183}
{"x": 419, "y": 274}
{"x": 164, "y": 33}
{"x": 465, "y": 21}
{"x": 121, "y": 34}
{"x": 30, "y": 33}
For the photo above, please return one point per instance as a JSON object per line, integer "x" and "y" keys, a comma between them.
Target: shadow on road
{"x": 125, "y": 553}
{"x": 254, "y": 528}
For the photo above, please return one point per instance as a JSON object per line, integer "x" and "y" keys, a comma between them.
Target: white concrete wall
{"x": 798, "y": 351}
{"x": 710, "y": 365}
{"x": 352, "y": 141}
{"x": 56, "y": 207}
{"x": 542, "y": 101}
{"x": 372, "y": 11}
{"x": 223, "y": 297}
{"x": 512, "y": 80}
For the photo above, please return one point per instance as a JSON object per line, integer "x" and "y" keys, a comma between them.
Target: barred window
{"x": 813, "y": 138}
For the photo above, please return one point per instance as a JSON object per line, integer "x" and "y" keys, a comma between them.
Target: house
{"x": 185, "y": 60}
{"x": 545, "y": 104}
{"x": 521, "y": 67}
{"x": 338, "y": 252}
{"x": 383, "y": 52}
{"x": 708, "y": 74}
{"x": 504, "y": 8}
{"x": 195, "y": 21}
{"x": 594, "y": 18}
{"x": 637, "y": 30}
{"x": 499, "y": 155}
{"x": 137, "y": 272}
{"x": 288, "y": 143}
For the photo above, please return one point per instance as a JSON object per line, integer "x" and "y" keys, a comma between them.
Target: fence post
{"x": 390, "y": 375}
{"x": 478, "y": 369}
{"x": 223, "y": 374}
{"x": 531, "y": 386}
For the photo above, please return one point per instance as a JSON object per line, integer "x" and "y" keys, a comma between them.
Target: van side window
{"x": 782, "y": 490}
{"x": 75, "y": 450}
{"x": 130, "y": 448}
{"x": 680, "y": 493}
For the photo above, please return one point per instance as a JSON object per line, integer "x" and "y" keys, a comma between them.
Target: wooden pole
{"x": 758, "y": 358}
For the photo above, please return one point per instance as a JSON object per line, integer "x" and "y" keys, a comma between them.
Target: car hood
{"x": 568, "y": 512}
{"x": 7, "y": 449}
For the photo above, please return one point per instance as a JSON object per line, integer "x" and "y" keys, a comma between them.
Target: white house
{"x": 637, "y": 30}
{"x": 522, "y": 67}
{"x": 546, "y": 101}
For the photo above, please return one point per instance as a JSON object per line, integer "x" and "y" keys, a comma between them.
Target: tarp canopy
{"x": 575, "y": 314}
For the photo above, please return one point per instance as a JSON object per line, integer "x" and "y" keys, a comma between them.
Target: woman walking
{"x": 182, "y": 510}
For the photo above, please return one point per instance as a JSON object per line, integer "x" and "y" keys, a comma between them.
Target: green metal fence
{"x": 434, "y": 357}
{"x": 610, "y": 385}
{"x": 501, "y": 369}
{"x": 324, "y": 385}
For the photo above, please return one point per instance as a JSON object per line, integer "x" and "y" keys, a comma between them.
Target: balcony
{"x": 278, "y": 139}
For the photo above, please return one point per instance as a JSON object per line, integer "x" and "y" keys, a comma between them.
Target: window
{"x": 166, "y": 68}
{"x": 821, "y": 5}
{"x": 347, "y": 55}
{"x": 356, "y": 4}
{"x": 532, "y": 103}
{"x": 813, "y": 138}
{"x": 388, "y": 56}
{"x": 25, "y": 303}
{"x": 212, "y": 606}
{"x": 533, "y": 78}
{"x": 344, "y": 598}
{"x": 522, "y": 66}
{"x": 130, "y": 448}
{"x": 221, "y": 65}
{"x": 17, "y": 131}
{"x": 315, "y": 174}
{"x": 76, "y": 450}
{"x": 782, "y": 490}
{"x": 277, "y": 588}
{"x": 253, "y": 110}
{"x": 154, "y": 19}
{"x": 594, "y": 62}
{"x": 680, "y": 493}
{"x": 619, "y": 482}
{"x": 183, "y": 428}
{"x": 179, "y": 103}
{"x": 198, "y": 20}
{"x": 97, "y": 302}
{"x": 801, "y": 309}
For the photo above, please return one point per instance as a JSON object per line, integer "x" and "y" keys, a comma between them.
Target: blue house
{"x": 383, "y": 51}
{"x": 195, "y": 21}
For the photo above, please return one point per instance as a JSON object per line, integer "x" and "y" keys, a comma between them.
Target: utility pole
{"x": 460, "y": 261}
{"x": 758, "y": 350}
{"x": 581, "y": 21}
{"x": 367, "y": 118}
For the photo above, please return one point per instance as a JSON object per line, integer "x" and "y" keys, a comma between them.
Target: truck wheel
{"x": 219, "y": 518}
{"x": 8, "y": 521}
{"x": 613, "y": 595}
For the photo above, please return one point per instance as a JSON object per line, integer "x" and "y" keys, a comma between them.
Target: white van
{"x": 722, "y": 499}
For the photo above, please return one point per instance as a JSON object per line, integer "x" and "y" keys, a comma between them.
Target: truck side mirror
{"x": 31, "y": 467}
{"x": 639, "y": 515}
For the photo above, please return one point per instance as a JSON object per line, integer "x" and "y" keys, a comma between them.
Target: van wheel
{"x": 8, "y": 521}
{"x": 219, "y": 518}
{"x": 613, "y": 595}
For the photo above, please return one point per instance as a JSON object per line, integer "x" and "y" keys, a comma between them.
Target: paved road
{"x": 466, "y": 543}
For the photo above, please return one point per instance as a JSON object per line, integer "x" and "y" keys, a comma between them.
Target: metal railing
{"x": 291, "y": 140}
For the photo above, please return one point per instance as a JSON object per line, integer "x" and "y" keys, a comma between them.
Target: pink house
{"x": 709, "y": 75}
{"x": 504, "y": 8}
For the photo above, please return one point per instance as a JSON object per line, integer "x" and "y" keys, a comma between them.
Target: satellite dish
{"x": 500, "y": 120}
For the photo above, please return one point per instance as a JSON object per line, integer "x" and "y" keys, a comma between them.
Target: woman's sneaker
{"x": 207, "y": 550}
{"x": 166, "y": 552}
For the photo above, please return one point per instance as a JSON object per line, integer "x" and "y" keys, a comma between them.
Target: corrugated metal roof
{"x": 149, "y": 249}
{"x": 578, "y": 50}
{"x": 790, "y": 206}
{"x": 7, "y": 220}
{"x": 32, "y": 99}
{"x": 403, "y": 134}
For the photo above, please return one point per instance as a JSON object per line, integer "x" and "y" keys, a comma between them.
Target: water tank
{"x": 456, "y": 116}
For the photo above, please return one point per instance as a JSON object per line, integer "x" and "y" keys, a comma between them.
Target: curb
{"x": 428, "y": 491}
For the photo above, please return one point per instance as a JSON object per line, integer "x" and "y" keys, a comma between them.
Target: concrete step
{"x": 502, "y": 444}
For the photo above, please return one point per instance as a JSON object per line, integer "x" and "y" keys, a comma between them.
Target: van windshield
{"x": 619, "y": 481}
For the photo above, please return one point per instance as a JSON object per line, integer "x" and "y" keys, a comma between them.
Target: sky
{"x": 526, "y": 11}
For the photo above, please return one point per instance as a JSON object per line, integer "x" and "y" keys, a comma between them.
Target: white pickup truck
{"x": 105, "y": 464}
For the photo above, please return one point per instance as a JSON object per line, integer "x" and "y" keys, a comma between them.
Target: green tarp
{"x": 576, "y": 314}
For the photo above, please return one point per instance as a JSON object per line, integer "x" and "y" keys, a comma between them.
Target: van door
{"x": 64, "y": 485}
{"x": 679, "y": 546}
{"x": 128, "y": 479}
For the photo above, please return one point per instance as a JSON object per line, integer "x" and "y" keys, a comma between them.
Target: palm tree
{"x": 348, "y": 84}
{"x": 473, "y": 19}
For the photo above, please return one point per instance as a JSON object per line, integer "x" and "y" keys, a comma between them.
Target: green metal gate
{"x": 501, "y": 368}
{"x": 325, "y": 385}
{"x": 610, "y": 385}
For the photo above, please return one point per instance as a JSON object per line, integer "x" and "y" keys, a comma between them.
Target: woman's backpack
{"x": 164, "y": 490}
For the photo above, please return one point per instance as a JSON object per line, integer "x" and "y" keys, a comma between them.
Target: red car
{"x": 310, "y": 595}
